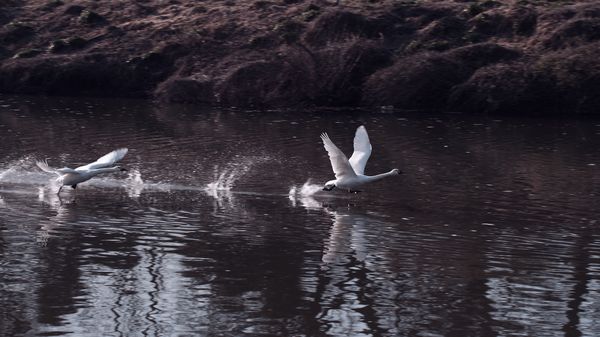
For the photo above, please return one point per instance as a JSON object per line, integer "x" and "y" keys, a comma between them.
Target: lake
{"x": 220, "y": 227}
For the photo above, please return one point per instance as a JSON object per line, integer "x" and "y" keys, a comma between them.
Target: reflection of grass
{"x": 15, "y": 31}
{"x": 546, "y": 3}
{"x": 481, "y": 6}
{"x": 74, "y": 42}
{"x": 90, "y": 17}
{"x": 18, "y": 25}
{"x": 436, "y": 45}
{"x": 311, "y": 13}
{"x": 27, "y": 53}
{"x": 54, "y": 3}
{"x": 289, "y": 30}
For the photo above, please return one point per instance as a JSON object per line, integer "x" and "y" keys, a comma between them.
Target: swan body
{"x": 72, "y": 177}
{"x": 350, "y": 173}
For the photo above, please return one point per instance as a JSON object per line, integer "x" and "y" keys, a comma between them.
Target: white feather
{"x": 107, "y": 160}
{"x": 339, "y": 162}
{"x": 362, "y": 150}
{"x": 46, "y": 168}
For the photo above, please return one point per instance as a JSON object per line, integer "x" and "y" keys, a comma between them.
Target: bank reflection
{"x": 499, "y": 280}
{"x": 558, "y": 290}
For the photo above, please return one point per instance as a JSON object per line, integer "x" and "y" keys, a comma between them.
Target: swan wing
{"x": 362, "y": 150}
{"x": 339, "y": 162}
{"x": 107, "y": 160}
{"x": 43, "y": 165}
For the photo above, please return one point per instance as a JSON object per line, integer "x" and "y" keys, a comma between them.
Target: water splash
{"x": 4, "y": 173}
{"x": 223, "y": 181}
{"x": 23, "y": 171}
{"x": 306, "y": 190}
{"x": 304, "y": 195}
{"x": 47, "y": 194}
{"x": 226, "y": 178}
{"x": 309, "y": 189}
{"x": 134, "y": 184}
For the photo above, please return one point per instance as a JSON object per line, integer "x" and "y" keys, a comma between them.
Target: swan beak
{"x": 328, "y": 188}
{"x": 123, "y": 169}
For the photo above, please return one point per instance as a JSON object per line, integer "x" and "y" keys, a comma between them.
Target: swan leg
{"x": 59, "y": 189}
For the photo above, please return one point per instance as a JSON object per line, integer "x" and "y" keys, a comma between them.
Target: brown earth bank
{"x": 516, "y": 57}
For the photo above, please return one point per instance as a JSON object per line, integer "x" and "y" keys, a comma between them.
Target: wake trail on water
{"x": 23, "y": 171}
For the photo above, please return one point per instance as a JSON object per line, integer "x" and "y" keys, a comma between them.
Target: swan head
{"x": 396, "y": 171}
{"x": 329, "y": 185}
{"x": 122, "y": 169}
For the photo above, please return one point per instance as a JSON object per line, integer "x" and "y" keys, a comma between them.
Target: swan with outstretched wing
{"x": 72, "y": 177}
{"x": 350, "y": 173}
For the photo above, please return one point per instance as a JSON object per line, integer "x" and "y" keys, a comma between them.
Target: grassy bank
{"x": 474, "y": 56}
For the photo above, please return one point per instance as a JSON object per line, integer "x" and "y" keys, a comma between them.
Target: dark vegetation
{"x": 477, "y": 56}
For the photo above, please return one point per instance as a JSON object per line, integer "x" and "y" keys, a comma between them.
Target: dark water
{"x": 216, "y": 230}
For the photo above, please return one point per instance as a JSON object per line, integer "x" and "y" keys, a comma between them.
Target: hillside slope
{"x": 474, "y": 56}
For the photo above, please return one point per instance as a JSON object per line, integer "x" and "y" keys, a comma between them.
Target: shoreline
{"x": 468, "y": 56}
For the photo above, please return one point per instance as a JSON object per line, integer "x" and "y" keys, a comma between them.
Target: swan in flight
{"x": 72, "y": 177}
{"x": 350, "y": 174}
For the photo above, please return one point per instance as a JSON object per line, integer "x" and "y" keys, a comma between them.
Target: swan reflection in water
{"x": 60, "y": 210}
{"x": 345, "y": 277}
{"x": 345, "y": 304}
{"x": 346, "y": 235}
{"x": 346, "y": 239}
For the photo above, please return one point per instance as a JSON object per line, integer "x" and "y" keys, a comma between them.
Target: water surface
{"x": 219, "y": 227}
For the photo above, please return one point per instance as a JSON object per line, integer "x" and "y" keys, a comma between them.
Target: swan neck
{"x": 105, "y": 170}
{"x": 381, "y": 176}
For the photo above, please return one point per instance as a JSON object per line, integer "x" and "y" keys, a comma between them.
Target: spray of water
{"x": 225, "y": 179}
{"x": 306, "y": 190}
{"x": 22, "y": 171}
{"x": 303, "y": 195}
{"x": 134, "y": 183}
{"x": 4, "y": 173}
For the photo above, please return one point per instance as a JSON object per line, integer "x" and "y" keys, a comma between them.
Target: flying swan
{"x": 72, "y": 177}
{"x": 350, "y": 174}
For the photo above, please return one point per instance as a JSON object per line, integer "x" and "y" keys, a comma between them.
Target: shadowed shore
{"x": 511, "y": 57}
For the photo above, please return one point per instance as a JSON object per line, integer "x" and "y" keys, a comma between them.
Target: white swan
{"x": 72, "y": 177}
{"x": 350, "y": 174}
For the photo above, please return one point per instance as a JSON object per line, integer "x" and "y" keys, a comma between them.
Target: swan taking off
{"x": 350, "y": 174}
{"x": 72, "y": 177}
